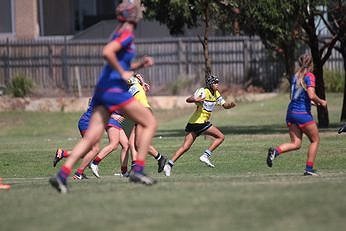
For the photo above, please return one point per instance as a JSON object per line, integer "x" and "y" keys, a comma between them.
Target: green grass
{"x": 241, "y": 193}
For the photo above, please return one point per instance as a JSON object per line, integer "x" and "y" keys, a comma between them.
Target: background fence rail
{"x": 69, "y": 64}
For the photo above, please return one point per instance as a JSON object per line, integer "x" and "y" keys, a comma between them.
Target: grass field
{"x": 241, "y": 193}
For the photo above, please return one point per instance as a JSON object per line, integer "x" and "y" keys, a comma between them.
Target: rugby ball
{"x": 199, "y": 93}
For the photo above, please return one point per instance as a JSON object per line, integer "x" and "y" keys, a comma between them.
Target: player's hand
{"x": 118, "y": 118}
{"x": 146, "y": 86}
{"x": 147, "y": 61}
{"x": 126, "y": 75}
{"x": 323, "y": 103}
{"x": 229, "y": 105}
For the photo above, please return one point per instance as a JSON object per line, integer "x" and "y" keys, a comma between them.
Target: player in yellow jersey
{"x": 138, "y": 88}
{"x": 205, "y": 98}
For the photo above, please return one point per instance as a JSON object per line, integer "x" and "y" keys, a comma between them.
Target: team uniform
{"x": 199, "y": 121}
{"x": 137, "y": 91}
{"x": 111, "y": 90}
{"x": 299, "y": 109}
{"x": 84, "y": 120}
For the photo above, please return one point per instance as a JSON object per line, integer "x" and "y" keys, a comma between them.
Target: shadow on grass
{"x": 244, "y": 130}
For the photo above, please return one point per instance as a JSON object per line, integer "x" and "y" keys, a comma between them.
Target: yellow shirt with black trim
{"x": 137, "y": 91}
{"x": 205, "y": 108}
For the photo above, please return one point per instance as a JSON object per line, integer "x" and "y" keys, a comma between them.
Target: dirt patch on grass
{"x": 74, "y": 104}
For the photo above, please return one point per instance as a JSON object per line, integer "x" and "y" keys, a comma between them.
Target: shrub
{"x": 333, "y": 80}
{"x": 20, "y": 86}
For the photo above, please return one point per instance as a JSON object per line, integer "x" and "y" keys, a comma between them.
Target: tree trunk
{"x": 310, "y": 28}
{"x": 343, "y": 53}
{"x": 207, "y": 63}
{"x": 289, "y": 55}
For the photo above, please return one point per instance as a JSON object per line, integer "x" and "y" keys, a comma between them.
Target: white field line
{"x": 242, "y": 179}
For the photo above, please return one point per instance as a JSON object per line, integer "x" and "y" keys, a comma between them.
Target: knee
{"x": 153, "y": 124}
{"x": 96, "y": 148}
{"x": 125, "y": 145}
{"x": 221, "y": 138}
{"x": 113, "y": 146}
{"x": 297, "y": 145}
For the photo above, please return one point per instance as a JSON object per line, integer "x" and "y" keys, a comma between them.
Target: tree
{"x": 179, "y": 14}
{"x": 337, "y": 19}
{"x": 274, "y": 22}
{"x": 309, "y": 12}
{"x": 280, "y": 24}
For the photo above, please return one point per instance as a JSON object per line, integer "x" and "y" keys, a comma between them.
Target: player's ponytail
{"x": 305, "y": 66}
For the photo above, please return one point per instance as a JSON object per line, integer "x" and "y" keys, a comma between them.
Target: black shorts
{"x": 198, "y": 128}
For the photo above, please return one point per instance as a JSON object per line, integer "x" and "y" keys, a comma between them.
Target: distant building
{"x": 83, "y": 19}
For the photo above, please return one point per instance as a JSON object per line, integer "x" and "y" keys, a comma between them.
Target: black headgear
{"x": 211, "y": 79}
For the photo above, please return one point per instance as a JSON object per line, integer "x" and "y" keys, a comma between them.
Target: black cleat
{"x": 78, "y": 176}
{"x": 161, "y": 163}
{"x": 58, "y": 185}
{"x": 58, "y": 156}
{"x": 270, "y": 157}
{"x": 311, "y": 173}
{"x": 342, "y": 129}
{"x": 141, "y": 178}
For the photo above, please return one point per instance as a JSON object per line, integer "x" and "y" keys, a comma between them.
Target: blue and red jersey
{"x": 300, "y": 101}
{"x": 110, "y": 78}
{"x": 111, "y": 90}
{"x": 84, "y": 120}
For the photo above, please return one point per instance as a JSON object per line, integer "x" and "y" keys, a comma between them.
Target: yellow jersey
{"x": 205, "y": 108}
{"x": 137, "y": 91}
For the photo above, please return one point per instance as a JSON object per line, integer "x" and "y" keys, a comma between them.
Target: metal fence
{"x": 71, "y": 64}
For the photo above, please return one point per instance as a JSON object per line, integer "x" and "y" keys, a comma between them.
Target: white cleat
{"x": 167, "y": 169}
{"x": 205, "y": 159}
{"x": 95, "y": 170}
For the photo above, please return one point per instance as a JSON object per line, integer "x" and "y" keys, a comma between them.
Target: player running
{"x": 138, "y": 88}
{"x": 115, "y": 134}
{"x": 205, "y": 98}
{"x": 111, "y": 94}
{"x": 298, "y": 118}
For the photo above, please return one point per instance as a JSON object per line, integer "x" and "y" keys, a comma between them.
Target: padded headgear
{"x": 130, "y": 11}
{"x": 211, "y": 79}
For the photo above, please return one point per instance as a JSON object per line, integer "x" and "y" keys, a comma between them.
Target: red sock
{"x": 278, "y": 150}
{"x": 97, "y": 160}
{"x": 139, "y": 166}
{"x": 66, "y": 153}
{"x": 80, "y": 171}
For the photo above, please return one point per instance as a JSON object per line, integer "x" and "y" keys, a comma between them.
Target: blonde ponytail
{"x": 305, "y": 66}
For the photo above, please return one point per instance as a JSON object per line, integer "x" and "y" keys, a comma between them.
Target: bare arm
{"x": 109, "y": 52}
{"x": 315, "y": 99}
{"x": 147, "y": 61}
{"x": 193, "y": 99}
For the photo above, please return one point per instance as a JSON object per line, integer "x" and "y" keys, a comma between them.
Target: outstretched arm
{"x": 146, "y": 61}
{"x": 228, "y": 105}
{"x": 193, "y": 99}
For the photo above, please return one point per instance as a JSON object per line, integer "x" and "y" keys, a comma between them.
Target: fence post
{"x": 50, "y": 64}
{"x": 180, "y": 56}
{"x": 7, "y": 62}
{"x": 65, "y": 67}
{"x": 246, "y": 60}
{"x": 79, "y": 86}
